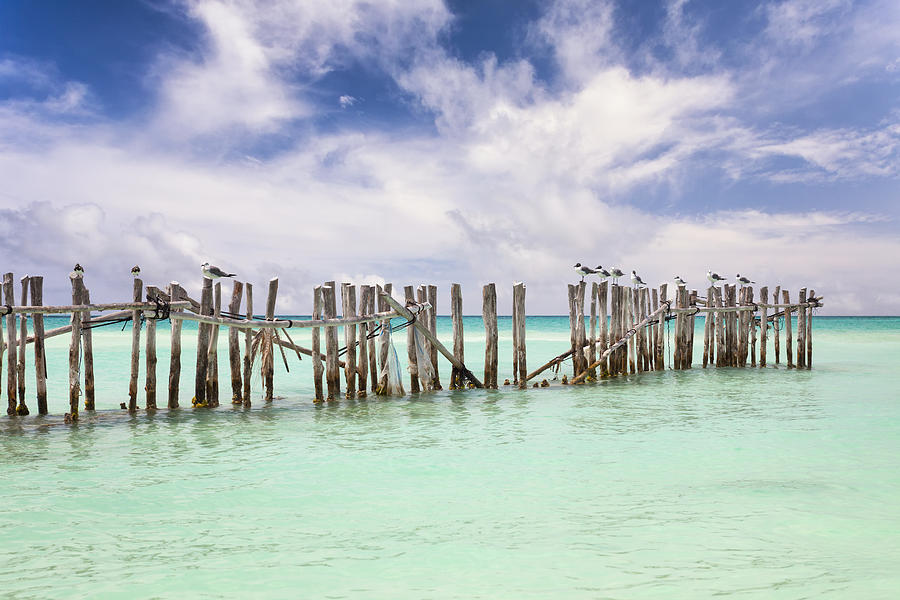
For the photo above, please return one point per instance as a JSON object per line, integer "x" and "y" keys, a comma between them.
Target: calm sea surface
{"x": 720, "y": 482}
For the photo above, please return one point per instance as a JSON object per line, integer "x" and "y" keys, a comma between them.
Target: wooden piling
{"x": 362, "y": 367}
{"x": 680, "y": 302}
{"x": 489, "y": 316}
{"x": 234, "y": 349}
{"x": 592, "y": 346}
{"x": 40, "y": 357}
{"x": 373, "y": 355}
{"x": 203, "y": 335}
{"x": 615, "y": 319}
{"x": 654, "y": 331}
{"x": 75, "y": 348}
{"x": 248, "y": 350}
{"x": 176, "y": 293}
{"x": 457, "y": 380}
{"x": 661, "y": 332}
{"x": 22, "y": 408}
{"x": 580, "y": 334}
{"x": 763, "y": 324}
{"x": 409, "y": 294}
{"x": 751, "y": 323}
{"x": 268, "y": 356}
{"x": 332, "y": 371}
{"x": 788, "y": 335}
{"x": 721, "y": 345}
{"x": 348, "y": 309}
{"x": 212, "y": 371}
{"x": 432, "y": 326}
{"x": 150, "y": 349}
{"x": 519, "y": 303}
{"x": 603, "y": 306}
{"x": 647, "y": 332}
{"x": 9, "y": 300}
{"x": 573, "y": 335}
{"x": 422, "y": 296}
{"x": 318, "y": 369}
{"x": 87, "y": 348}
{"x": 776, "y": 326}
{"x": 709, "y": 319}
{"x": 386, "y": 324}
{"x": 801, "y": 330}
{"x": 809, "y": 316}
{"x": 136, "y": 296}
{"x": 741, "y": 358}
{"x": 731, "y": 329}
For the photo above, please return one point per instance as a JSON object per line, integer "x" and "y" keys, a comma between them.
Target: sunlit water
{"x": 737, "y": 482}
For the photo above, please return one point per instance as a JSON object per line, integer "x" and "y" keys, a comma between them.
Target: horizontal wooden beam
{"x": 72, "y": 308}
{"x": 295, "y": 323}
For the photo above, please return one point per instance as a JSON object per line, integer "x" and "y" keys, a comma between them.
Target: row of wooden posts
{"x": 632, "y": 329}
{"x": 627, "y": 335}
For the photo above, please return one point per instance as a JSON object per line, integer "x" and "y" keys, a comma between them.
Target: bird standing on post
{"x": 77, "y": 271}
{"x": 135, "y": 271}
{"x": 679, "y": 281}
{"x": 212, "y": 272}
{"x": 615, "y": 274}
{"x": 743, "y": 280}
{"x": 714, "y": 278}
{"x": 582, "y": 270}
{"x": 636, "y": 279}
{"x": 601, "y": 273}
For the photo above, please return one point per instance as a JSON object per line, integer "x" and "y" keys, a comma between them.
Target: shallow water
{"x": 743, "y": 482}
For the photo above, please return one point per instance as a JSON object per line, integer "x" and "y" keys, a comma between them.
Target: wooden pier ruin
{"x": 627, "y": 330}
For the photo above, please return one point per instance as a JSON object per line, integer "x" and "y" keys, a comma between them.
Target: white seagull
{"x": 679, "y": 280}
{"x": 78, "y": 270}
{"x": 601, "y": 272}
{"x": 615, "y": 274}
{"x": 582, "y": 270}
{"x": 714, "y": 278}
{"x": 636, "y": 279}
{"x": 136, "y": 271}
{"x": 743, "y": 280}
{"x": 214, "y": 272}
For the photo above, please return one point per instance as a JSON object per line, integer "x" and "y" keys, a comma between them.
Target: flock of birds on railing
{"x": 615, "y": 273}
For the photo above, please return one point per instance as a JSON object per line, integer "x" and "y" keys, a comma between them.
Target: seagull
{"x": 615, "y": 274}
{"x": 743, "y": 280}
{"x": 78, "y": 270}
{"x": 636, "y": 279}
{"x": 601, "y": 272}
{"x": 214, "y": 272}
{"x": 582, "y": 270}
{"x": 714, "y": 278}
{"x": 679, "y": 281}
{"x": 136, "y": 271}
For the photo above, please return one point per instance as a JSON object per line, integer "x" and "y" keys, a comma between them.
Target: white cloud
{"x": 346, "y": 101}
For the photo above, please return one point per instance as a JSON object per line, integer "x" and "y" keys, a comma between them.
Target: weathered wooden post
{"x": 457, "y": 379}
{"x": 721, "y": 347}
{"x": 150, "y": 349}
{"x": 40, "y": 357}
{"x": 519, "y": 303}
{"x": 348, "y": 309}
{"x": 654, "y": 331}
{"x": 709, "y": 320}
{"x": 409, "y": 294}
{"x": 603, "y": 306}
{"x": 614, "y": 319}
{"x": 776, "y": 326}
{"x": 137, "y": 296}
{"x": 763, "y": 324}
{"x": 75, "y": 349}
{"x": 203, "y": 335}
{"x": 661, "y": 332}
{"x": 234, "y": 349}
{"x": 751, "y": 323}
{"x": 432, "y": 326}
{"x": 176, "y": 294}
{"x": 580, "y": 334}
{"x": 573, "y": 336}
{"x": 809, "y": 316}
{"x": 489, "y": 316}
{"x": 22, "y": 408}
{"x": 386, "y": 324}
{"x": 788, "y": 350}
{"x": 87, "y": 344}
{"x": 373, "y": 354}
{"x": 362, "y": 369}
{"x": 318, "y": 311}
{"x": 332, "y": 371}
{"x": 742, "y": 328}
{"x": 422, "y": 296}
{"x": 9, "y": 299}
{"x": 801, "y": 330}
{"x": 680, "y": 303}
{"x": 248, "y": 349}
{"x": 268, "y": 357}
{"x": 592, "y": 347}
{"x": 646, "y": 332}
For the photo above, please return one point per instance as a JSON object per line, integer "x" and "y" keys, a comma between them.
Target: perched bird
{"x": 615, "y": 274}
{"x": 679, "y": 280}
{"x": 214, "y": 272}
{"x": 582, "y": 270}
{"x": 743, "y": 280}
{"x": 136, "y": 271}
{"x": 601, "y": 272}
{"x": 714, "y": 278}
{"x": 77, "y": 270}
{"x": 636, "y": 279}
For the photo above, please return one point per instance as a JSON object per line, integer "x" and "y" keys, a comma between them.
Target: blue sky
{"x": 426, "y": 141}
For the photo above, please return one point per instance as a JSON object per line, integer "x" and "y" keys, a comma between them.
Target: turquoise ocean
{"x": 745, "y": 483}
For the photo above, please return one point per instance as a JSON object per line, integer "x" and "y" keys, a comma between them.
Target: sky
{"x": 429, "y": 141}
